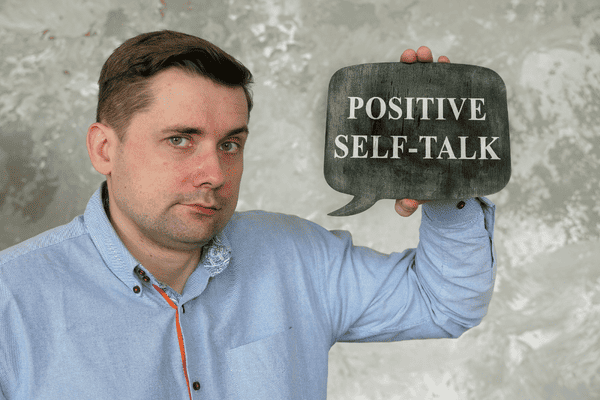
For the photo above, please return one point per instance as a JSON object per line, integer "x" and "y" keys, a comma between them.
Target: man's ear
{"x": 101, "y": 142}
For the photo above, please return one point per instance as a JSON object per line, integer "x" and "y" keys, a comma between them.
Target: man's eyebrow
{"x": 242, "y": 129}
{"x": 189, "y": 130}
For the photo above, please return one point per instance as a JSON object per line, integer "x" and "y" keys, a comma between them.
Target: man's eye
{"x": 230, "y": 147}
{"x": 179, "y": 141}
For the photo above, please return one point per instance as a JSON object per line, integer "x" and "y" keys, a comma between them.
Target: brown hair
{"x": 124, "y": 80}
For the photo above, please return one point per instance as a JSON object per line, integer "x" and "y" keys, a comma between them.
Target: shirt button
{"x": 196, "y": 385}
{"x": 461, "y": 204}
{"x": 136, "y": 289}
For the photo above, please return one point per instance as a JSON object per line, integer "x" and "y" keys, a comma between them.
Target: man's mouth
{"x": 203, "y": 209}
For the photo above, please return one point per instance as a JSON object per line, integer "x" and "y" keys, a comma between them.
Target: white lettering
{"x": 397, "y": 146}
{"x": 476, "y": 108}
{"x": 427, "y": 146}
{"x": 355, "y": 104}
{"x": 463, "y": 149}
{"x": 453, "y": 106}
{"x": 358, "y": 146}
{"x": 425, "y": 104}
{"x": 360, "y": 149}
{"x": 376, "y": 148}
{"x": 440, "y": 109}
{"x": 409, "y": 107}
{"x": 395, "y": 107}
{"x": 396, "y": 110}
{"x": 341, "y": 146}
{"x": 486, "y": 148}
{"x": 446, "y": 148}
{"x": 370, "y": 107}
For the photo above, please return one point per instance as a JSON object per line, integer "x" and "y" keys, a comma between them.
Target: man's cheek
{"x": 234, "y": 174}
{"x": 229, "y": 189}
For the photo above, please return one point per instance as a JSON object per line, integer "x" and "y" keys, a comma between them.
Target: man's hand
{"x": 406, "y": 207}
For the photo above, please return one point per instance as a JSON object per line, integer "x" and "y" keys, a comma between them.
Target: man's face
{"x": 175, "y": 176}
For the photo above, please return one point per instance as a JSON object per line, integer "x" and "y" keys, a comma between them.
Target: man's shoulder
{"x": 270, "y": 223}
{"x": 43, "y": 243}
{"x": 263, "y": 228}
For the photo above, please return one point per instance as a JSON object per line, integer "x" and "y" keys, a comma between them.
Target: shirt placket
{"x": 173, "y": 301}
{"x": 179, "y": 338}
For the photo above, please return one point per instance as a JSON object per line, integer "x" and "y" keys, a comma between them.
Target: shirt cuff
{"x": 449, "y": 213}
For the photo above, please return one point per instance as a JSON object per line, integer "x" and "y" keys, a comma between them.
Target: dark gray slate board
{"x": 422, "y": 131}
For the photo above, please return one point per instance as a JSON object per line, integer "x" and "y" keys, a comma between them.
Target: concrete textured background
{"x": 540, "y": 339}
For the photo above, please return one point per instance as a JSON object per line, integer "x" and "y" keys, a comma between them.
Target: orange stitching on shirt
{"x": 179, "y": 336}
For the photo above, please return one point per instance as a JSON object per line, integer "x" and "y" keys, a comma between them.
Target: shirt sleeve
{"x": 438, "y": 290}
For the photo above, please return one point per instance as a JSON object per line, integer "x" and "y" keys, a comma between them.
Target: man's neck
{"x": 169, "y": 266}
{"x": 172, "y": 267}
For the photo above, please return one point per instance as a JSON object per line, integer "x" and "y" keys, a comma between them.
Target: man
{"x": 161, "y": 291}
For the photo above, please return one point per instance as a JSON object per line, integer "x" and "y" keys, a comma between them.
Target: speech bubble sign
{"x": 423, "y": 131}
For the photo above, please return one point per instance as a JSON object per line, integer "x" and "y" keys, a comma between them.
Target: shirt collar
{"x": 215, "y": 256}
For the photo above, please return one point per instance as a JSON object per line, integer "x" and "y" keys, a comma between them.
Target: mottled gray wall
{"x": 540, "y": 339}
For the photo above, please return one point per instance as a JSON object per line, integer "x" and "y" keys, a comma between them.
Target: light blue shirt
{"x": 80, "y": 318}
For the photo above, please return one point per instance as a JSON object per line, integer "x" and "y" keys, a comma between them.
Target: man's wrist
{"x": 453, "y": 212}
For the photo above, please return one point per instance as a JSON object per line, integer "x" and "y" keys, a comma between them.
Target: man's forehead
{"x": 177, "y": 84}
{"x": 192, "y": 130}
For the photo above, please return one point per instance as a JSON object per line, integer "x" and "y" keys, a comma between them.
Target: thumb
{"x": 406, "y": 207}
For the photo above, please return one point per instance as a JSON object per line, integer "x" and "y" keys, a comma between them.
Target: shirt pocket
{"x": 265, "y": 369}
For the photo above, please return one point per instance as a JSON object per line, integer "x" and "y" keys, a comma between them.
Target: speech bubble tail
{"x": 357, "y": 205}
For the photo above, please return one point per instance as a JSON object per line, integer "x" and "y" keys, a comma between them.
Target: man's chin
{"x": 193, "y": 236}
{"x": 185, "y": 242}
{"x": 192, "y": 231}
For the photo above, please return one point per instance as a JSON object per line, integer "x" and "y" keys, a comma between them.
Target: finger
{"x": 409, "y": 56}
{"x": 424, "y": 54}
{"x": 406, "y": 207}
{"x": 443, "y": 59}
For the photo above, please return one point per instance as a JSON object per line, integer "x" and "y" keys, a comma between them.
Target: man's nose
{"x": 208, "y": 170}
